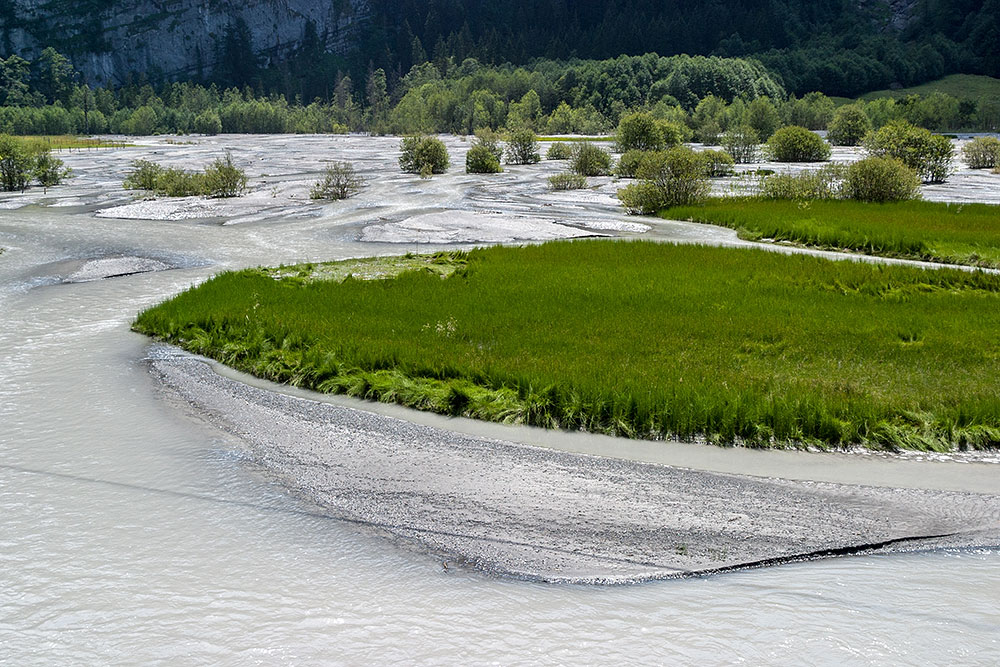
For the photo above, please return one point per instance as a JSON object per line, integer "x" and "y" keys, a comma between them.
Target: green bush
{"x": 339, "y": 181}
{"x": 522, "y": 147}
{"x": 16, "y": 164}
{"x": 142, "y": 176}
{"x": 742, "y": 144}
{"x": 822, "y": 183}
{"x": 559, "y": 150}
{"x": 590, "y": 160}
{"x": 174, "y": 182}
{"x": 797, "y": 144}
{"x": 639, "y": 131}
{"x": 709, "y": 133}
{"x": 717, "y": 163}
{"x": 49, "y": 170}
{"x": 849, "y": 126}
{"x": 207, "y": 122}
{"x": 481, "y": 160}
{"x": 672, "y": 134}
{"x": 628, "y": 163}
{"x": 927, "y": 154}
{"x": 423, "y": 155}
{"x": 879, "y": 180}
{"x": 567, "y": 181}
{"x": 675, "y": 177}
{"x": 489, "y": 140}
{"x": 223, "y": 179}
{"x": 982, "y": 153}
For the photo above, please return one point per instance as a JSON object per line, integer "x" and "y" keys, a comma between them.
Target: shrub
{"x": 143, "y": 175}
{"x": 763, "y": 117}
{"x": 823, "y": 183}
{"x": 589, "y": 160}
{"x": 628, "y": 163}
{"x": 423, "y": 155}
{"x": 224, "y": 179}
{"x": 717, "y": 163}
{"x": 207, "y": 122}
{"x": 559, "y": 150}
{"x": 878, "y": 179}
{"x": 490, "y": 140}
{"x": 709, "y": 133}
{"x": 849, "y": 126}
{"x": 567, "y": 181}
{"x": 339, "y": 181}
{"x": 743, "y": 144}
{"x": 675, "y": 177}
{"x": 174, "y": 182}
{"x": 49, "y": 170}
{"x": 982, "y": 153}
{"x": 639, "y": 131}
{"x": 522, "y": 147}
{"x": 797, "y": 144}
{"x": 16, "y": 164}
{"x": 927, "y": 154}
{"x": 481, "y": 160}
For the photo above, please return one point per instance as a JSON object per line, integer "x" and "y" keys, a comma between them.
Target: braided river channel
{"x": 133, "y": 531}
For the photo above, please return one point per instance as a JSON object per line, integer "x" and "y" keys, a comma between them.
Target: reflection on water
{"x": 131, "y": 532}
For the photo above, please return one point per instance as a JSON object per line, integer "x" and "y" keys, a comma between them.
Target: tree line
{"x": 704, "y": 96}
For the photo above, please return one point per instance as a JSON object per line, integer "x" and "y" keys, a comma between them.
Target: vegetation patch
{"x": 637, "y": 339}
{"x": 952, "y": 233}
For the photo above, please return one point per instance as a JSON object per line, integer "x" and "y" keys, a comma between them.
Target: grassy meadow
{"x": 972, "y": 86}
{"x": 632, "y": 338}
{"x": 67, "y": 142}
{"x": 952, "y": 233}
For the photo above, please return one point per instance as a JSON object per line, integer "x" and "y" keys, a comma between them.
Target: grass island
{"x": 634, "y": 338}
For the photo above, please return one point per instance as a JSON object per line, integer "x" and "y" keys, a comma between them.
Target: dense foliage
{"x": 793, "y": 143}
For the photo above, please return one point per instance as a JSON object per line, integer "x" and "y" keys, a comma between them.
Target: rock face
{"x": 108, "y": 39}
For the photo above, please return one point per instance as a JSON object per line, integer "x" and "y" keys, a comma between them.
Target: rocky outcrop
{"x": 108, "y": 39}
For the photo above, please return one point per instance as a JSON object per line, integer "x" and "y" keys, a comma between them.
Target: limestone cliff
{"x": 108, "y": 39}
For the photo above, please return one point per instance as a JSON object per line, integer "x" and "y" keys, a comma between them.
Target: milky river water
{"x": 131, "y": 532}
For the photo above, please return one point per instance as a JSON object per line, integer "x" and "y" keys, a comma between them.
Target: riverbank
{"x": 532, "y": 513}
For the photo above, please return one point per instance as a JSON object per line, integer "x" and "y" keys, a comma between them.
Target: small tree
{"x": 142, "y": 176}
{"x": 878, "y": 179}
{"x": 743, "y": 144}
{"x": 339, "y": 181}
{"x": 628, "y": 163}
{"x": 589, "y": 160}
{"x": 929, "y": 155}
{"x": 49, "y": 170}
{"x": 797, "y": 144}
{"x": 639, "y": 131}
{"x": 567, "y": 181}
{"x": 675, "y": 177}
{"x": 849, "y": 126}
{"x": 522, "y": 147}
{"x": 489, "y": 140}
{"x": 982, "y": 153}
{"x": 717, "y": 163}
{"x": 224, "y": 179}
{"x": 16, "y": 164}
{"x": 423, "y": 155}
{"x": 207, "y": 122}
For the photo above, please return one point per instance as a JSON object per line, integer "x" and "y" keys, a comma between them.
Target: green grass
{"x": 632, "y": 338}
{"x": 574, "y": 138}
{"x": 971, "y": 86}
{"x": 951, "y": 233}
{"x": 68, "y": 142}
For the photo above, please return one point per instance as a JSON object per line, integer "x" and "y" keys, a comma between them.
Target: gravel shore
{"x": 533, "y": 513}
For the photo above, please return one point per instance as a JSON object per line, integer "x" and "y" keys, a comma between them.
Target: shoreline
{"x": 539, "y": 514}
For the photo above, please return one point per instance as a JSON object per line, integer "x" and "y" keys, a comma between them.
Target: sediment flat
{"x": 528, "y": 512}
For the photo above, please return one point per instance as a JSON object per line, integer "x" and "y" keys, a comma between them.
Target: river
{"x": 132, "y": 531}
